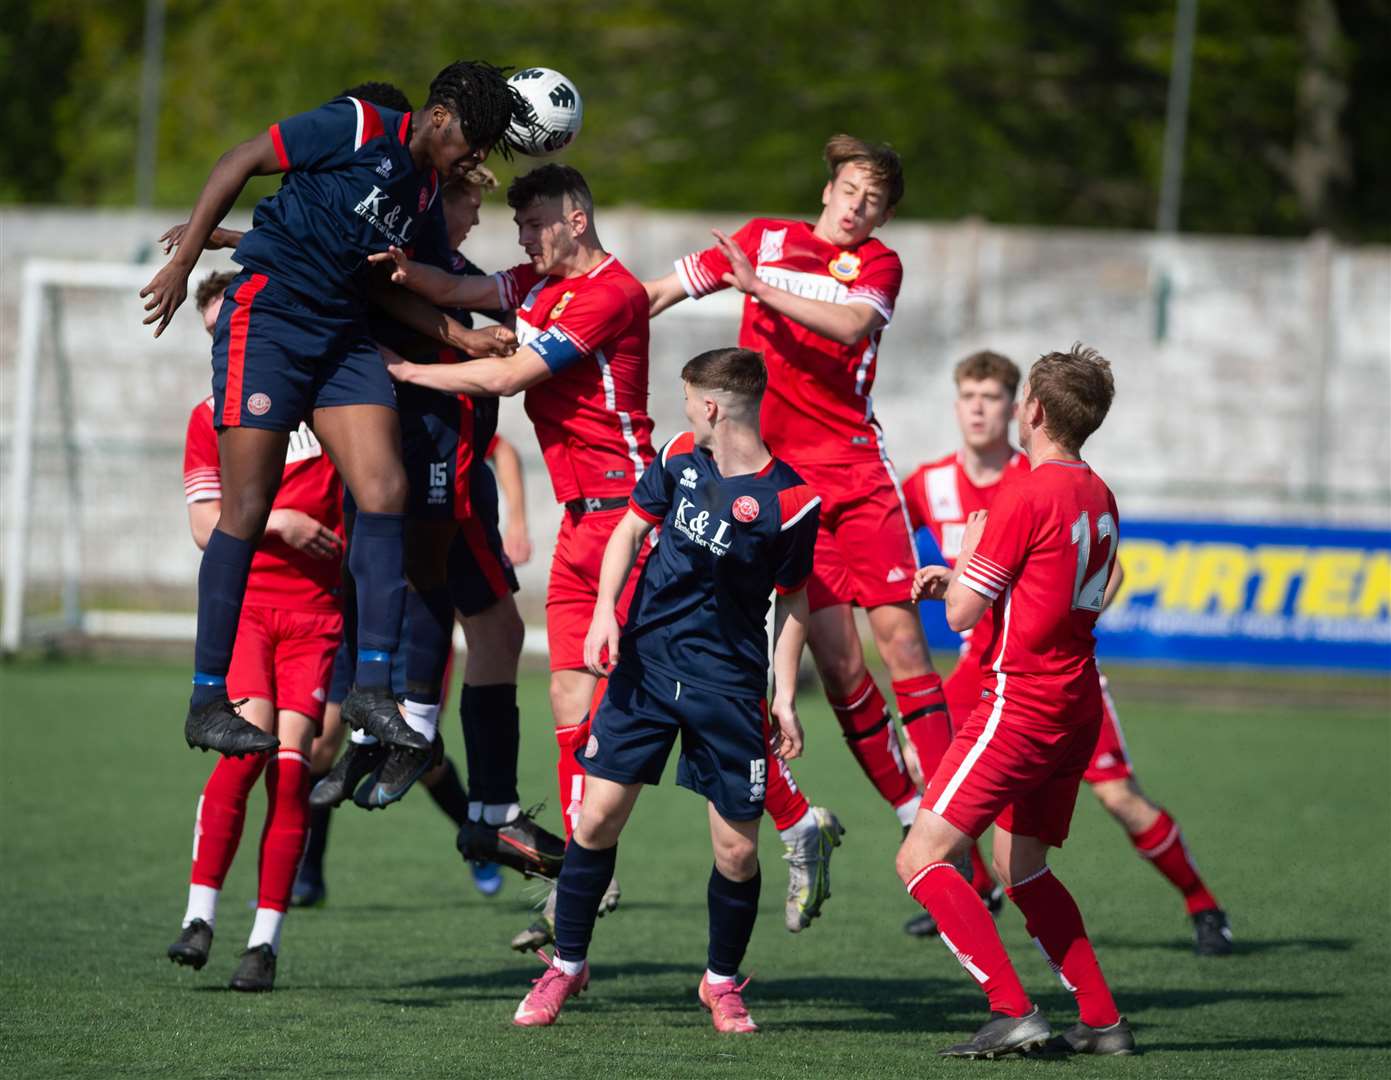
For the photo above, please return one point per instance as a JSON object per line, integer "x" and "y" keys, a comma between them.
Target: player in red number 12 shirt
{"x": 1040, "y": 564}
{"x": 818, "y": 297}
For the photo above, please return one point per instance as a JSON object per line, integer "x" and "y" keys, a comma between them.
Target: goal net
{"x": 95, "y": 535}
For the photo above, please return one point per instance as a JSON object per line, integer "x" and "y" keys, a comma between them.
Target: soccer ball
{"x": 556, "y": 112}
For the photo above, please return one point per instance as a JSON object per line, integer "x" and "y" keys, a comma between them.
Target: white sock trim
{"x": 569, "y": 967}
{"x": 908, "y": 812}
{"x": 499, "y": 813}
{"x": 422, "y": 716}
{"x": 202, "y": 904}
{"x": 266, "y": 929}
{"x": 712, "y": 979}
{"x": 806, "y": 821}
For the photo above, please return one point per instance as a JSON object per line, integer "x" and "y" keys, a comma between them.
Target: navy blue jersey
{"x": 350, "y": 190}
{"x": 700, "y": 610}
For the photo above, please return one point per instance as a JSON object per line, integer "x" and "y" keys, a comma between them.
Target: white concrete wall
{"x": 1267, "y": 400}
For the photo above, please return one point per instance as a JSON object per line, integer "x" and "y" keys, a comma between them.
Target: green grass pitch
{"x": 406, "y": 971}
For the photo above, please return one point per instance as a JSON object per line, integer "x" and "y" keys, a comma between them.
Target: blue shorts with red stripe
{"x": 480, "y": 573}
{"x": 436, "y": 430}
{"x": 277, "y": 358}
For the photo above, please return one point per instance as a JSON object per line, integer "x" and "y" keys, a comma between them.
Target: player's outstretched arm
{"x": 791, "y": 613}
{"x": 424, "y": 318}
{"x": 472, "y": 291}
{"x": 843, "y": 323}
{"x": 169, "y": 288}
{"x": 219, "y": 238}
{"x": 621, "y": 552}
{"x": 487, "y": 377}
{"x": 663, "y": 293}
{"x": 516, "y": 541}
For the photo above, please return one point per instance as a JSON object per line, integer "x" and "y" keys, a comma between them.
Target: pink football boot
{"x": 548, "y": 994}
{"x": 725, "y": 1003}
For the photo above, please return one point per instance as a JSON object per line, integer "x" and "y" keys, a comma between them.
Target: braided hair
{"x": 485, "y": 103}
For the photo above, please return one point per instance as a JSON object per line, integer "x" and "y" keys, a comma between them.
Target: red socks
{"x": 922, "y": 709}
{"x": 221, "y": 814}
{"x": 967, "y": 929}
{"x": 568, "y": 773}
{"x": 1053, "y": 921}
{"x": 870, "y": 734}
{"x": 287, "y": 827}
{"x": 783, "y": 802}
{"x": 1162, "y": 844}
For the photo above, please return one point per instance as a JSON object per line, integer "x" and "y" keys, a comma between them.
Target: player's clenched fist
{"x": 601, "y": 644}
{"x": 489, "y": 341}
{"x": 930, "y": 583}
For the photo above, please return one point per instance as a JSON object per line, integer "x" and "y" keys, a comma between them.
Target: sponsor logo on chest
{"x": 805, "y": 284}
{"x": 698, "y": 526}
{"x": 385, "y": 215}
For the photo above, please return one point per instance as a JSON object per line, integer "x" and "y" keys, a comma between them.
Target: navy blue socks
{"x": 221, "y": 586}
{"x": 492, "y": 740}
{"x": 584, "y": 876}
{"x": 376, "y": 559}
{"x": 733, "y": 909}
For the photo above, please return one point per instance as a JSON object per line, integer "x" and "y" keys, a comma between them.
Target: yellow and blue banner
{"x": 1218, "y": 593}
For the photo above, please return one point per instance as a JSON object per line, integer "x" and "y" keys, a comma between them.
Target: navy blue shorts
{"x": 723, "y": 756}
{"x": 432, "y": 448}
{"x": 276, "y": 359}
{"x": 480, "y": 573}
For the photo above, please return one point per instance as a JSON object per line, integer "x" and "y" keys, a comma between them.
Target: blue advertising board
{"x": 1216, "y": 593}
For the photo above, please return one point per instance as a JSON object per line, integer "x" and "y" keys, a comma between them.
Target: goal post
{"x": 96, "y": 412}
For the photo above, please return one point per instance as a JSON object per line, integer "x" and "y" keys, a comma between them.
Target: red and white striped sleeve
{"x": 879, "y": 284}
{"x": 986, "y": 576}
{"x": 1004, "y": 545}
{"x": 702, "y": 272}
{"x": 202, "y": 468}
{"x": 514, "y": 284}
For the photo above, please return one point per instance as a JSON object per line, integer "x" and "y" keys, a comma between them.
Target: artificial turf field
{"x": 406, "y": 971}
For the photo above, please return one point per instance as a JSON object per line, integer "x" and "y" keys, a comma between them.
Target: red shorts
{"x": 1003, "y": 766}
{"x": 573, "y": 588}
{"x": 1110, "y": 760}
{"x": 285, "y": 657}
{"x": 962, "y": 689}
{"x": 864, "y": 547}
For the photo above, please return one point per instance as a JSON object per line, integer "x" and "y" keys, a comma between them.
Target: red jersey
{"x": 590, "y": 415}
{"x": 941, "y": 497}
{"x": 1044, "y": 561}
{"x": 818, "y": 407}
{"x": 281, "y": 576}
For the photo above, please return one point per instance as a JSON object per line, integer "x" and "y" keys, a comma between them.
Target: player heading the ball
{"x": 292, "y": 343}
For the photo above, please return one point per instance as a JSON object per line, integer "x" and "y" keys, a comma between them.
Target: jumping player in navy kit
{"x": 292, "y": 344}
{"x": 692, "y": 660}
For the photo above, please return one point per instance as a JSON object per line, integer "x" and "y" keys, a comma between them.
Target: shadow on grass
{"x": 1240, "y": 947}
{"x": 1260, "y": 1044}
